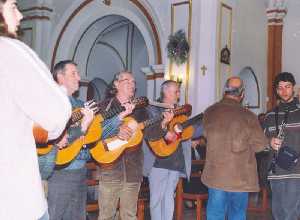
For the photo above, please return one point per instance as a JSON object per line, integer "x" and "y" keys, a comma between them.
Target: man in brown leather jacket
{"x": 233, "y": 137}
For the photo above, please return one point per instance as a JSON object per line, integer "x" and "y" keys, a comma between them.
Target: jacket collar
{"x": 230, "y": 101}
{"x": 289, "y": 106}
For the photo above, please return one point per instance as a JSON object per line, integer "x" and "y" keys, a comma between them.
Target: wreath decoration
{"x": 178, "y": 47}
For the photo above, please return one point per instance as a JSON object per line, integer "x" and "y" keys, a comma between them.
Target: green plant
{"x": 178, "y": 47}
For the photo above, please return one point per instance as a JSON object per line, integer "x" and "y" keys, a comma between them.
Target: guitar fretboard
{"x": 77, "y": 114}
{"x": 111, "y": 112}
{"x": 178, "y": 111}
{"x": 192, "y": 120}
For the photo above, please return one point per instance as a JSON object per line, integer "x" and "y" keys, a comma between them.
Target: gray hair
{"x": 111, "y": 90}
{"x": 166, "y": 84}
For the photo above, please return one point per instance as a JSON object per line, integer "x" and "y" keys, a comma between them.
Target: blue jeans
{"x": 220, "y": 203}
{"x": 285, "y": 199}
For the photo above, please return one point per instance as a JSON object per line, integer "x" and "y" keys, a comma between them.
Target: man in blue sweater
{"x": 67, "y": 189}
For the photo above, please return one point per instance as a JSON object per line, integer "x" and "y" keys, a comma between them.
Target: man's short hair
{"x": 59, "y": 68}
{"x": 285, "y": 77}
{"x": 233, "y": 91}
{"x": 165, "y": 85}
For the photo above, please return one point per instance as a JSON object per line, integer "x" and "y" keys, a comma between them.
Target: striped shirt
{"x": 291, "y": 134}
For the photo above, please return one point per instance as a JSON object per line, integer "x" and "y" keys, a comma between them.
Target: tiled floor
{"x": 191, "y": 215}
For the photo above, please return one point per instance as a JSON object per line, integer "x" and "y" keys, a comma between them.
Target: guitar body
{"x": 44, "y": 149}
{"x": 67, "y": 154}
{"x": 161, "y": 148}
{"x": 103, "y": 155}
{"x": 94, "y": 132}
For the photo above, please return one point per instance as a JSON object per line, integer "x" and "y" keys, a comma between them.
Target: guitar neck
{"x": 75, "y": 117}
{"x": 151, "y": 121}
{"x": 192, "y": 120}
{"x": 139, "y": 103}
{"x": 178, "y": 111}
{"x": 111, "y": 112}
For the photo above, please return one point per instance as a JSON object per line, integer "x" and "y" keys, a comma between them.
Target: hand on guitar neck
{"x": 129, "y": 107}
{"x": 88, "y": 113}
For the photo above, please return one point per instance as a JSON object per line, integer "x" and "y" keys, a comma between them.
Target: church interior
{"x": 252, "y": 39}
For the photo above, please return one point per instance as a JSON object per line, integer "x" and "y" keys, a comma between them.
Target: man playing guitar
{"x": 164, "y": 173}
{"x": 67, "y": 187}
{"x": 121, "y": 180}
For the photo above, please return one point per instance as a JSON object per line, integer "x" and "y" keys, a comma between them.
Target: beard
{"x": 287, "y": 99}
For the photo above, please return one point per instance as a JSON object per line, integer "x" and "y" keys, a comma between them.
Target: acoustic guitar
{"x": 108, "y": 150}
{"x": 94, "y": 132}
{"x": 184, "y": 130}
{"x": 44, "y": 146}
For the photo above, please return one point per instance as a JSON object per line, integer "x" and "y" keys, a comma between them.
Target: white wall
{"x": 249, "y": 42}
{"x": 291, "y": 39}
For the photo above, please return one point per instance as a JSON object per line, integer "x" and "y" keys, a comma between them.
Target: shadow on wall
{"x": 96, "y": 90}
{"x": 252, "y": 93}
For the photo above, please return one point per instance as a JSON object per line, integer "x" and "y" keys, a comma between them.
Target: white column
{"x": 204, "y": 34}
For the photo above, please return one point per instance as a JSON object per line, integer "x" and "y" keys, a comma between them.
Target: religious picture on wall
{"x": 225, "y": 55}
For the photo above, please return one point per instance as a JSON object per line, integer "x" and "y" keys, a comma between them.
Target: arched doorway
{"x": 115, "y": 44}
{"x": 109, "y": 39}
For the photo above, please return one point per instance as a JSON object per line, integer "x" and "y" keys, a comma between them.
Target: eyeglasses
{"x": 127, "y": 81}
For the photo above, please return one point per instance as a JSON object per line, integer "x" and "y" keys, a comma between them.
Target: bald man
{"x": 233, "y": 137}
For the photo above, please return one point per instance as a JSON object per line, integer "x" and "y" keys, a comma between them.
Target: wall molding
{"x": 37, "y": 8}
{"x": 35, "y": 17}
{"x": 155, "y": 76}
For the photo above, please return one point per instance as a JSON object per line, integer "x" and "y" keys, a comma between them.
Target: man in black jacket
{"x": 284, "y": 182}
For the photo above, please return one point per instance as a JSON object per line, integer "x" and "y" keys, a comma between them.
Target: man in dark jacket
{"x": 284, "y": 182}
{"x": 121, "y": 179}
{"x": 233, "y": 137}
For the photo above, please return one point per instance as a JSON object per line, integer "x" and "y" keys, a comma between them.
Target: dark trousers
{"x": 285, "y": 199}
{"x": 67, "y": 195}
